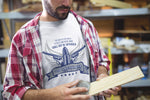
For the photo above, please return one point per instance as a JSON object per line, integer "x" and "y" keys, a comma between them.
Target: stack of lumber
{"x": 112, "y": 3}
{"x": 29, "y": 1}
{"x": 37, "y": 7}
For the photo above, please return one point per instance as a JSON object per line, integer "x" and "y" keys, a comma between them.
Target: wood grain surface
{"x": 116, "y": 80}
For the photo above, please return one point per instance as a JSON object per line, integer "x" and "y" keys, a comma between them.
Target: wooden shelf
{"x": 109, "y": 13}
{"x": 132, "y": 31}
{"x": 4, "y": 53}
{"x": 138, "y": 83}
{"x": 116, "y": 51}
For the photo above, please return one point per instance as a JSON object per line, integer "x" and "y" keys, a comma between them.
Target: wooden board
{"x": 2, "y": 46}
{"x": 112, "y": 3}
{"x": 116, "y": 80}
{"x": 29, "y": 1}
{"x": 36, "y": 7}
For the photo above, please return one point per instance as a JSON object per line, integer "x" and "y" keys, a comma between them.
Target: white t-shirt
{"x": 65, "y": 55}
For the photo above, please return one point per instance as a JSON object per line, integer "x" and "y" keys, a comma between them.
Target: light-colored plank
{"x": 2, "y": 46}
{"x": 112, "y": 3}
{"x": 115, "y": 80}
{"x": 3, "y": 70}
{"x": 147, "y": 6}
{"x": 29, "y": 1}
{"x": 37, "y": 7}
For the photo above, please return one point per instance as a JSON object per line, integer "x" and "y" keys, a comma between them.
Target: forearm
{"x": 102, "y": 73}
{"x": 61, "y": 92}
{"x": 39, "y": 94}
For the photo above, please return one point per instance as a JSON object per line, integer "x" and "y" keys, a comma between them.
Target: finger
{"x": 117, "y": 88}
{"x": 111, "y": 92}
{"x": 105, "y": 94}
{"x": 72, "y": 84}
{"x": 81, "y": 97}
{"x": 77, "y": 90}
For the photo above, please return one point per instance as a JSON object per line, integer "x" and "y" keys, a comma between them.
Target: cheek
{"x": 55, "y": 2}
{"x": 51, "y": 5}
{"x": 71, "y": 1}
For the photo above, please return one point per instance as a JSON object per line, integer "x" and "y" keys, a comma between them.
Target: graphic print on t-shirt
{"x": 66, "y": 62}
{"x": 65, "y": 56}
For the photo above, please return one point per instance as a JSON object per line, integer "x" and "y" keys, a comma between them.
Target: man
{"x": 51, "y": 53}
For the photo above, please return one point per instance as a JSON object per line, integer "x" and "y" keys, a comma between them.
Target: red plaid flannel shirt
{"x": 24, "y": 69}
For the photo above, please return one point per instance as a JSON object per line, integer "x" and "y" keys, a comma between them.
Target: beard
{"x": 55, "y": 13}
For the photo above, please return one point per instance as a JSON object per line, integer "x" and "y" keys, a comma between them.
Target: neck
{"x": 46, "y": 17}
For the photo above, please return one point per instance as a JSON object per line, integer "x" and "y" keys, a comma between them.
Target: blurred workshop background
{"x": 123, "y": 27}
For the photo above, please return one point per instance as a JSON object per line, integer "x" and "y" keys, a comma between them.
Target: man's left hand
{"x": 109, "y": 92}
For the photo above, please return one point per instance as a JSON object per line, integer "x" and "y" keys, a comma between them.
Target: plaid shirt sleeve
{"x": 22, "y": 72}
{"x": 103, "y": 59}
{"x": 14, "y": 85}
{"x": 99, "y": 51}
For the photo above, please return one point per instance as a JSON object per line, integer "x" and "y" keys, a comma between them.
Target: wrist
{"x": 102, "y": 70}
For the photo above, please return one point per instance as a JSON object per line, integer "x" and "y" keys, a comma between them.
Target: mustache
{"x": 63, "y": 7}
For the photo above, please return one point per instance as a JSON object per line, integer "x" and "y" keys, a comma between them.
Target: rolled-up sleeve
{"x": 14, "y": 86}
{"x": 102, "y": 57}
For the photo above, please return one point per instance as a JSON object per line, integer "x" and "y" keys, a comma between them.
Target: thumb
{"x": 72, "y": 84}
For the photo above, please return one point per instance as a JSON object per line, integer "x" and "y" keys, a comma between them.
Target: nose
{"x": 66, "y": 2}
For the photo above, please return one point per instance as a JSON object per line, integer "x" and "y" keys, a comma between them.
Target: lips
{"x": 63, "y": 9}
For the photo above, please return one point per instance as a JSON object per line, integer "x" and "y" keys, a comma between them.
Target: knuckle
{"x": 116, "y": 93}
{"x": 79, "y": 89}
{"x": 66, "y": 92}
{"x": 83, "y": 97}
{"x": 79, "y": 98}
{"x": 67, "y": 98}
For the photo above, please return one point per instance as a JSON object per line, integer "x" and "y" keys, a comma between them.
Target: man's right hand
{"x": 63, "y": 92}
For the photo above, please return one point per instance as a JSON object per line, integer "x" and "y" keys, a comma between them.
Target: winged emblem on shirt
{"x": 66, "y": 62}
{"x": 65, "y": 58}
